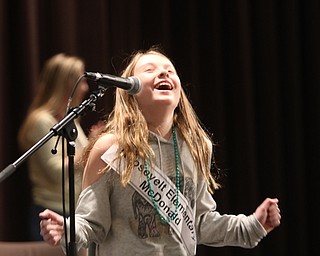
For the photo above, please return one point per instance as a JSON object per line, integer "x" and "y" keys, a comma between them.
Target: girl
{"x": 147, "y": 180}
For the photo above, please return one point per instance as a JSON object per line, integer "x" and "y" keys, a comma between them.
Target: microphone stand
{"x": 67, "y": 128}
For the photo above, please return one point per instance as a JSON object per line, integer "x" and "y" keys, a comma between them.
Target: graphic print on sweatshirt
{"x": 146, "y": 215}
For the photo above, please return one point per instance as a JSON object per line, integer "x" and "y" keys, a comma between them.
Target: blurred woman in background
{"x": 57, "y": 79}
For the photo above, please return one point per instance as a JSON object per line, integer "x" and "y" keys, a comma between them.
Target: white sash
{"x": 164, "y": 194}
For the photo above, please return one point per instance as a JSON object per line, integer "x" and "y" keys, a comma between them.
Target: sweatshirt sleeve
{"x": 92, "y": 216}
{"x": 214, "y": 229}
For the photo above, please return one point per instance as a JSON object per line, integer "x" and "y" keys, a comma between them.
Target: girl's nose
{"x": 163, "y": 73}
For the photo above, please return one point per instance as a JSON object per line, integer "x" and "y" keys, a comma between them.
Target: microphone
{"x": 131, "y": 84}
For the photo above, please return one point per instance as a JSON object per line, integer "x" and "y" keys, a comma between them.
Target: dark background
{"x": 250, "y": 68}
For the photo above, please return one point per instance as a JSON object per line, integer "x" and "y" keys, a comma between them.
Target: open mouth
{"x": 163, "y": 86}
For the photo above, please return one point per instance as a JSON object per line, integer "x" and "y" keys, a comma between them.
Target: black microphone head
{"x": 136, "y": 85}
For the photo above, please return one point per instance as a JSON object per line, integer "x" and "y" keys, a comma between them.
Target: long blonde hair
{"x": 58, "y": 75}
{"x": 129, "y": 126}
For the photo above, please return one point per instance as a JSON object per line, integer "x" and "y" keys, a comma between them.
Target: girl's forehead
{"x": 153, "y": 59}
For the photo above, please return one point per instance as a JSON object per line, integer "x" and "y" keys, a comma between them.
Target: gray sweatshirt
{"x": 121, "y": 222}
